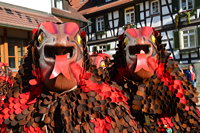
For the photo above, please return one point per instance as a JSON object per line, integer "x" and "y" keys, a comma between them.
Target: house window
{"x": 186, "y": 4}
{"x": 189, "y": 38}
{"x": 129, "y": 16}
{"x": 58, "y": 4}
{"x": 101, "y": 48}
{"x": 104, "y": 48}
{"x": 94, "y": 49}
{"x": 100, "y": 23}
{"x": 154, "y": 7}
{"x": 16, "y": 51}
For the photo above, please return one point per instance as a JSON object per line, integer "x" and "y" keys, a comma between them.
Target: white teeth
{"x": 142, "y": 52}
{"x": 68, "y": 56}
{"x": 150, "y": 48}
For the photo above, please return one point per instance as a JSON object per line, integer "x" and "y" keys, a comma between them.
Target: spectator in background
{"x": 190, "y": 73}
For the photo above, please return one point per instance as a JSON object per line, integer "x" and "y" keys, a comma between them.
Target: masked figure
{"x": 159, "y": 94}
{"x": 5, "y": 82}
{"x": 53, "y": 92}
{"x": 100, "y": 59}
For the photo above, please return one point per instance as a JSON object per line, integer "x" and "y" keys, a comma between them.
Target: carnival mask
{"x": 141, "y": 52}
{"x": 61, "y": 55}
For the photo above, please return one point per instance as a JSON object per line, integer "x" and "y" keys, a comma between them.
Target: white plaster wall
{"x": 141, "y": 7}
{"x": 163, "y": 2}
{"x": 112, "y": 33}
{"x": 167, "y": 47}
{"x": 194, "y": 55}
{"x": 195, "y": 61}
{"x": 116, "y": 14}
{"x": 164, "y": 37}
{"x": 169, "y": 1}
{"x": 148, "y": 20}
{"x": 165, "y": 10}
{"x": 185, "y": 56}
{"x": 121, "y": 30}
{"x": 108, "y": 33}
{"x": 93, "y": 37}
{"x": 141, "y": 15}
{"x": 176, "y": 54}
{"x": 170, "y": 34}
{"x": 167, "y": 20}
{"x": 90, "y": 29}
{"x": 110, "y": 24}
{"x": 198, "y": 13}
{"x": 40, "y": 5}
{"x": 143, "y": 24}
{"x": 138, "y": 25}
{"x": 172, "y": 44}
{"x": 116, "y": 31}
{"x": 147, "y": 4}
{"x": 156, "y": 21}
{"x": 109, "y": 16}
{"x": 103, "y": 36}
{"x": 147, "y": 13}
{"x": 116, "y": 23}
{"x": 112, "y": 45}
{"x": 183, "y": 62}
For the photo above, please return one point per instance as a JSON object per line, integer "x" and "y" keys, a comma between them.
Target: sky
{"x": 41, "y": 5}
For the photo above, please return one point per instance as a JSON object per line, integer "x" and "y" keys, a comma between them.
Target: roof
{"x": 88, "y": 6}
{"x": 71, "y": 14}
{"x": 23, "y": 18}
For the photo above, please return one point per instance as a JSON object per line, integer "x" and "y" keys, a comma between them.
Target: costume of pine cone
{"x": 36, "y": 105}
{"x": 163, "y": 102}
{"x": 5, "y": 82}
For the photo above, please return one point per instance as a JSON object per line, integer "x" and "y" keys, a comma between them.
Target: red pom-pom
{"x": 34, "y": 31}
{"x": 83, "y": 34}
{"x": 33, "y": 82}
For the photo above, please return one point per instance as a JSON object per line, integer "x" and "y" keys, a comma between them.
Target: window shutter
{"x": 93, "y": 25}
{"x": 197, "y": 4}
{"x": 176, "y": 40}
{"x": 94, "y": 49}
{"x": 175, "y": 6}
{"x": 198, "y": 36}
{"x": 106, "y": 22}
{"x": 108, "y": 47}
{"x": 121, "y": 17}
{"x": 137, "y": 13}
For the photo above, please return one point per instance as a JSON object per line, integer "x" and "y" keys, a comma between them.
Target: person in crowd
{"x": 191, "y": 74}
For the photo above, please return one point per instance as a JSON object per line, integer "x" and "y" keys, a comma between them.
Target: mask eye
{"x": 153, "y": 39}
{"x": 79, "y": 40}
{"x": 126, "y": 41}
{"x": 40, "y": 38}
{"x": 103, "y": 64}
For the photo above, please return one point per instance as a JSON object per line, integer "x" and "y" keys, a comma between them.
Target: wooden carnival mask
{"x": 99, "y": 59}
{"x": 141, "y": 52}
{"x": 61, "y": 55}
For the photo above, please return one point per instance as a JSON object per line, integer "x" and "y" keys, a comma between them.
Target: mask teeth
{"x": 142, "y": 52}
{"x": 68, "y": 56}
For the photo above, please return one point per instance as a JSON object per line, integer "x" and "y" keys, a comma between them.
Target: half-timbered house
{"x": 177, "y": 20}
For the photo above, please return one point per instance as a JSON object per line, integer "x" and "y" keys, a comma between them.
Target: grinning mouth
{"x": 139, "y": 49}
{"x": 52, "y": 51}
